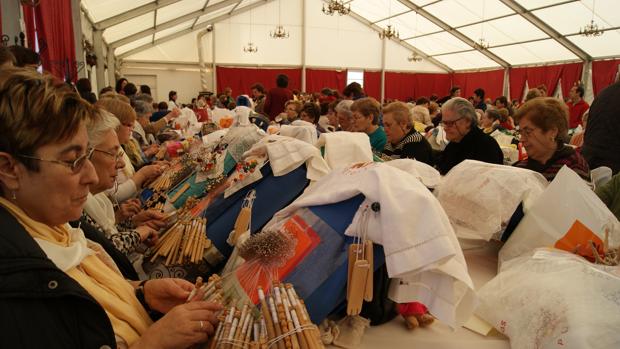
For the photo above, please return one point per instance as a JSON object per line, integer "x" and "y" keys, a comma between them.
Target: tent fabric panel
{"x": 101, "y": 10}
{"x": 178, "y": 9}
{"x": 134, "y": 44}
{"x": 492, "y": 82}
{"x": 317, "y": 79}
{"x": 378, "y": 9}
{"x": 372, "y": 84}
{"x": 467, "y": 60}
{"x": 535, "y": 52}
{"x": 410, "y": 24}
{"x": 603, "y": 74}
{"x": 241, "y": 79}
{"x": 462, "y": 12}
{"x": 129, "y": 27}
{"x": 571, "y": 17}
{"x": 599, "y": 46}
{"x": 504, "y": 31}
{"x": 439, "y": 43}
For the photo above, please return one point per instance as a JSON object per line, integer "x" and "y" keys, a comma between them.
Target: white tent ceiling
{"x": 518, "y": 32}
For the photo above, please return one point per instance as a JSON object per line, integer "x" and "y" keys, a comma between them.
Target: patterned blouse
{"x": 563, "y": 156}
{"x": 124, "y": 241}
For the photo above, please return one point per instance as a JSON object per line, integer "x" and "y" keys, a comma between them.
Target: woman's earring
{"x": 13, "y": 196}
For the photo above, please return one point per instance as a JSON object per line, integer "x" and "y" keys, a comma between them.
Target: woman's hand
{"x": 146, "y": 174}
{"x": 148, "y": 235}
{"x": 127, "y": 209}
{"x": 152, "y": 218}
{"x": 183, "y": 326}
{"x": 151, "y": 150}
{"x": 164, "y": 294}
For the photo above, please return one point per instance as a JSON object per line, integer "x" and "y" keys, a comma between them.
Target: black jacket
{"x": 474, "y": 146}
{"x": 41, "y": 306}
{"x": 601, "y": 144}
{"x": 412, "y": 146}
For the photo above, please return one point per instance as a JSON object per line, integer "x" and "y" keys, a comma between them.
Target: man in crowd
{"x": 467, "y": 141}
{"x": 576, "y": 106}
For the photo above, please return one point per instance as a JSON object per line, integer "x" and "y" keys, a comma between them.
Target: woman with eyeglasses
{"x": 403, "y": 141}
{"x": 543, "y": 127}
{"x": 107, "y": 159}
{"x": 58, "y": 289}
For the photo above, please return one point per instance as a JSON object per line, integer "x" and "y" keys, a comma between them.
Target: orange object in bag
{"x": 577, "y": 240}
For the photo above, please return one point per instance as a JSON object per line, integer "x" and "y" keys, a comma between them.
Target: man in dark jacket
{"x": 30, "y": 284}
{"x": 601, "y": 145}
{"x": 467, "y": 141}
{"x": 277, "y": 97}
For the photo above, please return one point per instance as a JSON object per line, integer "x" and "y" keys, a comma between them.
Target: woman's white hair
{"x": 345, "y": 107}
{"x": 98, "y": 128}
{"x": 463, "y": 108}
{"x": 420, "y": 114}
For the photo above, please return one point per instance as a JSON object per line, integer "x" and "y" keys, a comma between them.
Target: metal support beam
{"x": 400, "y": 42}
{"x": 303, "y": 45}
{"x": 100, "y": 70}
{"x": 383, "y": 54}
{"x": 545, "y": 28}
{"x": 443, "y": 25}
{"x": 214, "y": 64}
{"x": 11, "y": 15}
{"x": 76, "y": 17}
{"x": 111, "y": 62}
{"x": 136, "y": 12}
{"x": 189, "y": 30}
{"x": 172, "y": 23}
{"x": 203, "y": 8}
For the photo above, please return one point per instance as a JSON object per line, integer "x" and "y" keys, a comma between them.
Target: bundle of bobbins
{"x": 283, "y": 323}
{"x": 211, "y": 291}
{"x": 185, "y": 242}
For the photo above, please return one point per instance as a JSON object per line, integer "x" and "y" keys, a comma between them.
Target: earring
{"x": 13, "y": 196}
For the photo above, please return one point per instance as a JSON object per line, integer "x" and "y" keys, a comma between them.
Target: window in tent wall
{"x": 355, "y": 76}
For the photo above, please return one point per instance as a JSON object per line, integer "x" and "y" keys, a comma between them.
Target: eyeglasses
{"x": 75, "y": 165}
{"x": 449, "y": 123}
{"x": 116, "y": 156}
{"x": 527, "y": 132}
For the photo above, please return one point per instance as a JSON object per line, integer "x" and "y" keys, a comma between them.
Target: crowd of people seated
{"x": 72, "y": 163}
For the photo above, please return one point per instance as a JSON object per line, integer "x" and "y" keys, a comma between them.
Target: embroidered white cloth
{"x": 286, "y": 154}
{"x": 345, "y": 148}
{"x": 421, "y": 249}
{"x": 301, "y": 130}
{"x": 480, "y": 198}
{"x": 427, "y": 174}
{"x": 68, "y": 257}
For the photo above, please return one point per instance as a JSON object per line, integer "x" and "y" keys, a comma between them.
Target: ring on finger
{"x": 201, "y": 325}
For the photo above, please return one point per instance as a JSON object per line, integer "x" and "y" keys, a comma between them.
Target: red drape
{"x": 29, "y": 22}
{"x": 54, "y": 30}
{"x": 241, "y": 79}
{"x": 548, "y": 75}
{"x": 518, "y": 76}
{"x": 403, "y": 86}
{"x": 571, "y": 73}
{"x": 603, "y": 74}
{"x": 372, "y": 84}
{"x": 492, "y": 82}
{"x": 317, "y": 79}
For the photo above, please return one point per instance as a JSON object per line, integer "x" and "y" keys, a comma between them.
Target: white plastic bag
{"x": 480, "y": 198}
{"x": 554, "y": 299}
{"x": 566, "y": 200}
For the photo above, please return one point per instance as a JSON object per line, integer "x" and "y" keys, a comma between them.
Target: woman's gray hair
{"x": 142, "y": 107}
{"x": 420, "y": 113}
{"x": 345, "y": 107}
{"x": 98, "y": 128}
{"x": 462, "y": 108}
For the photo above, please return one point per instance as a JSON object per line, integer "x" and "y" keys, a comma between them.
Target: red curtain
{"x": 571, "y": 73}
{"x": 603, "y": 74}
{"x": 548, "y": 75}
{"x": 54, "y": 31}
{"x": 518, "y": 76}
{"x": 492, "y": 82}
{"x": 317, "y": 79}
{"x": 241, "y": 79}
{"x": 372, "y": 84}
{"x": 432, "y": 83}
{"x": 399, "y": 86}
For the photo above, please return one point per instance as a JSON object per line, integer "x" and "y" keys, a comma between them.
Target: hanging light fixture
{"x": 414, "y": 57}
{"x": 336, "y": 6}
{"x": 280, "y": 32}
{"x": 482, "y": 43}
{"x": 250, "y": 48}
{"x": 592, "y": 28}
{"x": 389, "y": 32}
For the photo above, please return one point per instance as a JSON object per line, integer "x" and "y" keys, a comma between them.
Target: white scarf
{"x": 101, "y": 210}
{"x": 69, "y": 257}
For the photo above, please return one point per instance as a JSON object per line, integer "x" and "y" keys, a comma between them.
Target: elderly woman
{"x": 144, "y": 110}
{"x": 344, "y": 115}
{"x": 366, "y": 113}
{"x": 467, "y": 141}
{"x": 99, "y": 210}
{"x": 332, "y": 116}
{"x": 489, "y": 121}
{"x": 421, "y": 115}
{"x": 292, "y": 109}
{"x": 544, "y": 127}
{"x": 129, "y": 181}
{"x": 58, "y": 289}
{"x": 403, "y": 141}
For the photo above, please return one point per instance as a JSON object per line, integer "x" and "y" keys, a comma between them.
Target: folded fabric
{"x": 301, "y": 130}
{"x": 286, "y": 154}
{"x": 480, "y": 198}
{"x": 345, "y": 148}
{"x": 67, "y": 257}
{"x": 420, "y": 246}
{"x": 427, "y": 174}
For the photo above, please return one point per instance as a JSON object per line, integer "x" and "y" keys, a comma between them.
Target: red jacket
{"x": 575, "y": 112}
{"x": 274, "y": 103}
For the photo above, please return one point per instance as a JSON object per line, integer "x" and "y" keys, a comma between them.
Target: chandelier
{"x": 336, "y": 6}
{"x": 591, "y": 29}
{"x": 389, "y": 33}
{"x": 279, "y": 33}
{"x": 482, "y": 44}
{"x": 250, "y": 48}
{"x": 414, "y": 57}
